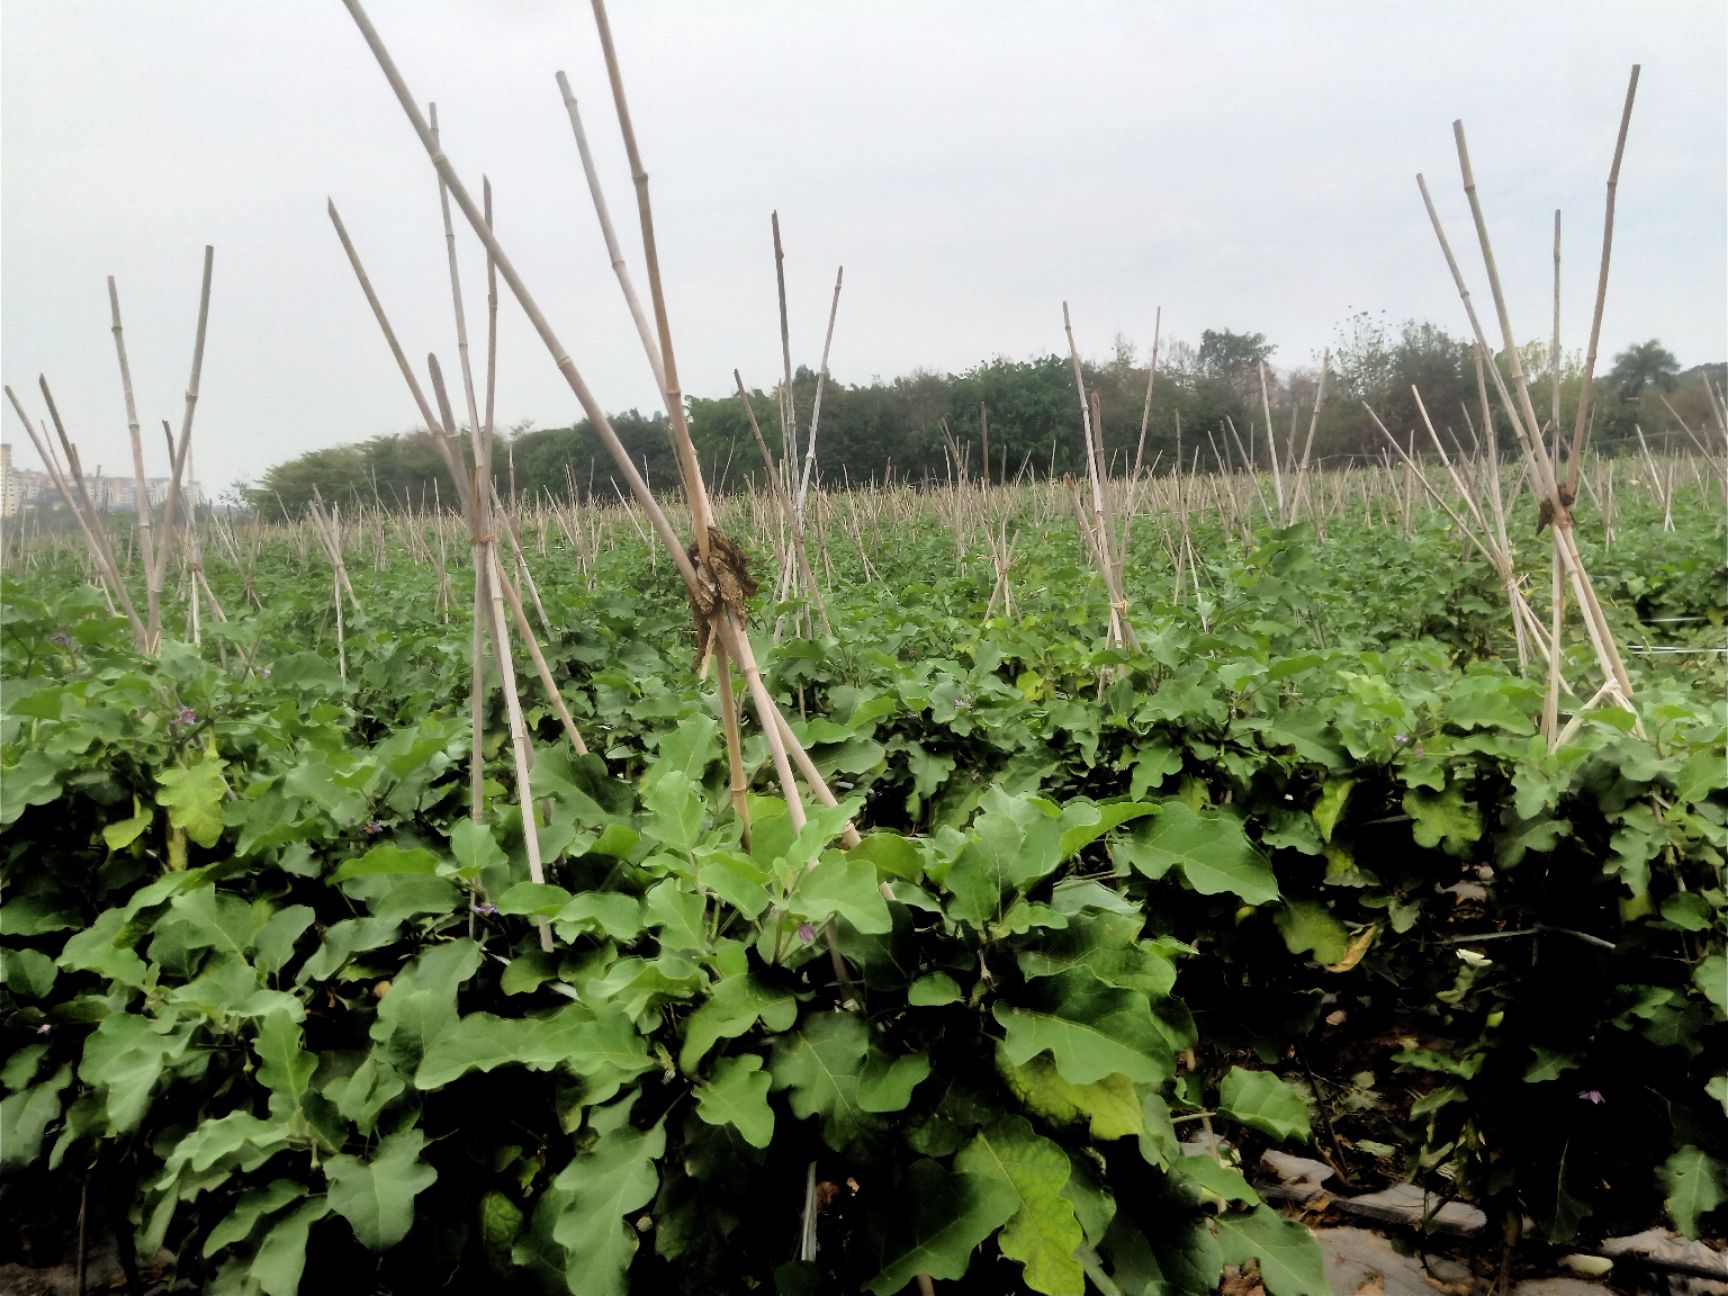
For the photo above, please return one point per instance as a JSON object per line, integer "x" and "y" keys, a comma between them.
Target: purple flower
{"x": 1400, "y": 739}
{"x": 64, "y": 640}
{"x": 46, "y": 1028}
{"x": 186, "y": 716}
{"x": 484, "y": 909}
{"x": 263, "y": 672}
{"x": 806, "y": 933}
{"x": 372, "y": 829}
{"x": 1417, "y": 750}
{"x": 1591, "y": 1096}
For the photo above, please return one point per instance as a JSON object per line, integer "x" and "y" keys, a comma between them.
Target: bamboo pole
{"x": 613, "y": 252}
{"x": 184, "y": 443}
{"x": 1582, "y": 419}
{"x": 153, "y": 612}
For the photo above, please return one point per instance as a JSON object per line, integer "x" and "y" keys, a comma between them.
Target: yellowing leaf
{"x": 1359, "y": 945}
{"x": 194, "y": 798}
{"x": 1044, "y": 1232}
{"x": 1110, "y": 1106}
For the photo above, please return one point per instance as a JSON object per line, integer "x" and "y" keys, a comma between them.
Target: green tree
{"x": 1230, "y": 355}
{"x": 1645, "y": 364}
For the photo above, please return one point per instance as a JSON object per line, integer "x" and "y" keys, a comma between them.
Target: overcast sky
{"x": 1245, "y": 166}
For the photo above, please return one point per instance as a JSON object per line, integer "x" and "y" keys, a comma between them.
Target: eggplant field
{"x": 1101, "y": 852}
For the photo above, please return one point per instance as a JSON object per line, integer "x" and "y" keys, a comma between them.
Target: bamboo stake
{"x": 1581, "y": 420}
{"x": 816, "y": 407}
{"x": 94, "y": 538}
{"x": 788, "y": 406}
{"x": 613, "y": 252}
{"x": 152, "y": 604}
{"x": 731, "y": 636}
{"x": 185, "y": 440}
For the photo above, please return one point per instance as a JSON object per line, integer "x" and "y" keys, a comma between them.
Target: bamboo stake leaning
{"x": 709, "y": 599}
{"x": 1097, "y": 527}
{"x": 663, "y": 360}
{"x": 180, "y": 447}
{"x": 1555, "y": 500}
{"x": 152, "y": 604}
{"x": 89, "y": 525}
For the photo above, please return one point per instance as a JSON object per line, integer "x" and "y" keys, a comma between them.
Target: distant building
{"x": 21, "y": 488}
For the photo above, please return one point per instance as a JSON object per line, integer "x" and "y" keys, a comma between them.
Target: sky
{"x": 1247, "y": 166}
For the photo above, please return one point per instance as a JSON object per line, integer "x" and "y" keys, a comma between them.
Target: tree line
{"x": 1207, "y": 402}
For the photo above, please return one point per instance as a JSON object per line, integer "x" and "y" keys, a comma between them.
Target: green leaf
{"x": 341, "y": 942}
{"x": 1291, "y": 1263}
{"x": 123, "y": 832}
{"x": 1694, "y": 1181}
{"x": 733, "y": 1007}
{"x": 892, "y": 854}
{"x": 1211, "y": 848}
{"x": 1483, "y": 701}
{"x": 939, "y": 1220}
{"x": 819, "y": 1063}
{"x": 376, "y": 1197}
{"x": 1044, "y": 1233}
{"x": 676, "y": 806}
{"x": 285, "y": 1068}
{"x": 1083, "y": 822}
{"x": 575, "y": 1036}
{"x": 1015, "y": 842}
{"x": 1093, "y": 1205}
{"x": 737, "y": 879}
{"x": 254, "y": 1205}
{"x": 613, "y": 1178}
{"x": 21, "y": 1067}
{"x": 690, "y": 748}
{"x": 1443, "y": 819}
{"x": 839, "y": 886}
{"x": 281, "y": 1257}
{"x": 608, "y": 913}
{"x": 886, "y": 1085}
{"x": 680, "y": 913}
{"x": 124, "y": 1057}
{"x": 1110, "y": 1107}
{"x": 26, "y": 1115}
{"x": 1711, "y": 978}
{"x": 362, "y": 1096}
{"x": 420, "y": 1008}
{"x": 527, "y": 973}
{"x": 28, "y": 973}
{"x": 194, "y": 798}
{"x": 33, "y": 781}
{"x": 1309, "y": 927}
{"x": 274, "y": 943}
{"x": 474, "y": 848}
{"x": 385, "y": 858}
{"x": 932, "y": 990}
{"x": 1090, "y": 1032}
{"x": 1262, "y": 1100}
{"x": 1334, "y": 794}
{"x": 533, "y": 900}
{"x": 1153, "y": 762}
{"x": 737, "y": 1095}
{"x": 1226, "y": 1182}
{"x": 396, "y": 896}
